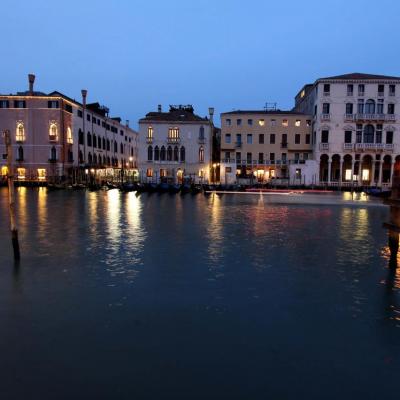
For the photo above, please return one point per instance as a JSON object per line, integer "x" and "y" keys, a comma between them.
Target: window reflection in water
{"x": 214, "y": 227}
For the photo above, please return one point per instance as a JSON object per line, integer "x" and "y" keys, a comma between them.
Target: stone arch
{"x": 323, "y": 168}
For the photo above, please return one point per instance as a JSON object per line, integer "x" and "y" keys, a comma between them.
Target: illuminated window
{"x": 365, "y": 174}
{"x": 53, "y": 131}
{"x": 303, "y": 93}
{"x": 285, "y": 122}
{"x": 41, "y": 174}
{"x": 201, "y": 173}
{"x": 173, "y": 134}
{"x": 149, "y": 172}
{"x": 261, "y": 122}
{"x": 272, "y": 173}
{"x": 69, "y": 136}
{"x": 297, "y": 123}
{"x": 21, "y": 172}
{"x": 347, "y": 175}
{"x": 163, "y": 173}
{"x": 150, "y": 133}
{"x": 201, "y": 154}
{"x": 20, "y": 133}
{"x": 4, "y": 171}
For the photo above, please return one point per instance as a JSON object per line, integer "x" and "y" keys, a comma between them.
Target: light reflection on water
{"x": 227, "y": 278}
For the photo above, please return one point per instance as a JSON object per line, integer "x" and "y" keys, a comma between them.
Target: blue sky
{"x": 231, "y": 54}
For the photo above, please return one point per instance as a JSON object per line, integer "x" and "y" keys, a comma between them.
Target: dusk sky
{"x": 230, "y": 54}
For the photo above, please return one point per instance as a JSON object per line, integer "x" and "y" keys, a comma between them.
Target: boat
{"x": 174, "y": 188}
{"x": 376, "y": 192}
{"x": 185, "y": 188}
{"x": 128, "y": 187}
{"x": 196, "y": 189}
{"x": 163, "y": 187}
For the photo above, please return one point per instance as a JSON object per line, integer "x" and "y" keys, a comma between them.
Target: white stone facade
{"x": 175, "y": 146}
{"x": 356, "y": 128}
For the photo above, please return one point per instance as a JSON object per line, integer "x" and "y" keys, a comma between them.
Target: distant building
{"x": 55, "y": 137}
{"x": 356, "y": 127}
{"x": 266, "y": 146}
{"x": 175, "y": 146}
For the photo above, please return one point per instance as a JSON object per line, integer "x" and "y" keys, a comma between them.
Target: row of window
{"x": 165, "y": 173}
{"x": 368, "y": 134}
{"x": 272, "y": 138}
{"x": 100, "y": 122}
{"x": 170, "y": 154}
{"x": 22, "y": 104}
{"x": 97, "y": 159}
{"x": 173, "y": 133}
{"x": 361, "y": 89}
{"x": 368, "y": 107}
{"x": 263, "y": 157}
{"x": 53, "y": 132}
{"x": 261, "y": 122}
{"x": 52, "y": 156}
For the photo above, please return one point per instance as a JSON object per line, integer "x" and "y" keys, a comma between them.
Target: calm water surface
{"x": 161, "y": 296}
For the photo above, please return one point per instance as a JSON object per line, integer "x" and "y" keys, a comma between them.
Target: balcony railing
{"x": 374, "y": 146}
{"x": 392, "y": 93}
{"x": 350, "y": 93}
{"x": 284, "y": 145}
{"x": 53, "y": 138}
{"x": 256, "y": 163}
{"x": 370, "y": 117}
{"x": 238, "y": 144}
{"x": 173, "y": 140}
{"x": 381, "y": 94}
{"x": 201, "y": 140}
{"x": 324, "y": 146}
{"x": 325, "y": 117}
{"x": 347, "y": 146}
{"x": 149, "y": 140}
{"x": 327, "y": 93}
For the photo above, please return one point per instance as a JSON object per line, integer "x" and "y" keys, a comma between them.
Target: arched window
{"x": 369, "y": 134}
{"x": 201, "y": 133}
{"x": 162, "y": 153}
{"x": 94, "y": 159}
{"x": 20, "y": 155}
{"x": 150, "y": 153}
{"x": 183, "y": 153}
{"x": 176, "y": 153}
{"x": 201, "y": 154}
{"x": 89, "y": 139}
{"x": 169, "y": 153}
{"x": 115, "y": 147}
{"x": 370, "y": 107}
{"x": 104, "y": 144}
{"x": 53, "y": 131}
{"x": 108, "y": 145}
{"x": 20, "y": 132}
{"x": 80, "y": 134}
{"x": 90, "y": 160}
{"x": 94, "y": 141}
{"x": 80, "y": 156}
{"x": 150, "y": 133}
{"x": 156, "y": 153}
{"x": 70, "y": 140}
{"x": 53, "y": 154}
{"x": 121, "y": 148}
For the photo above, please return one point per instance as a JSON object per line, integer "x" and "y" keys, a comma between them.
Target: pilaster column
{"x": 341, "y": 173}
{"x": 391, "y": 173}
{"x": 329, "y": 171}
{"x": 360, "y": 173}
{"x": 379, "y": 180}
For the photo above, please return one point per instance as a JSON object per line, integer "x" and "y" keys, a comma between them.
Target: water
{"x": 161, "y": 296}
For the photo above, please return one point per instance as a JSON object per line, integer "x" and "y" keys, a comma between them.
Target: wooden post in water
{"x": 10, "y": 176}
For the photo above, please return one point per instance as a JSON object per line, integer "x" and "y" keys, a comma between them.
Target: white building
{"x": 356, "y": 128}
{"x": 175, "y": 146}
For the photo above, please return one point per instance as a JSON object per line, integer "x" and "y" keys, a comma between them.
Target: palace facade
{"x": 175, "y": 146}
{"x": 55, "y": 137}
{"x": 355, "y": 127}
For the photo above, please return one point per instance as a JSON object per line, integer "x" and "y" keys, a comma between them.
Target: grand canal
{"x": 160, "y": 296}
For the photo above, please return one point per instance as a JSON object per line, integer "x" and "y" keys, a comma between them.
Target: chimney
{"x": 159, "y": 108}
{"x": 31, "y": 78}
{"x": 211, "y": 112}
{"x": 84, "y": 94}
{"x": 127, "y": 123}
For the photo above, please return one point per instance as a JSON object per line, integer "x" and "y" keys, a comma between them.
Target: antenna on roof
{"x": 270, "y": 106}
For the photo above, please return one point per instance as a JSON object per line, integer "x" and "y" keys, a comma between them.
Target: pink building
{"x": 55, "y": 137}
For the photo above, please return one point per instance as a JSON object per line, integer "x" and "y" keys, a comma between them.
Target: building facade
{"x": 355, "y": 127}
{"x": 175, "y": 146}
{"x": 265, "y": 147}
{"x": 57, "y": 138}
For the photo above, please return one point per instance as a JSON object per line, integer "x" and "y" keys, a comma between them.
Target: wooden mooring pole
{"x": 11, "y": 201}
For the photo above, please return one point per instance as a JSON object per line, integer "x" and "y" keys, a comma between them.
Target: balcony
{"x": 284, "y": 145}
{"x": 327, "y": 93}
{"x": 381, "y": 94}
{"x": 374, "y": 146}
{"x": 173, "y": 140}
{"x": 350, "y": 93}
{"x": 53, "y": 160}
{"x": 392, "y": 93}
{"x": 149, "y": 139}
{"x": 347, "y": 146}
{"x": 324, "y": 146}
{"x": 201, "y": 140}
{"x": 374, "y": 117}
{"x": 53, "y": 138}
{"x": 349, "y": 117}
{"x": 325, "y": 117}
{"x": 238, "y": 144}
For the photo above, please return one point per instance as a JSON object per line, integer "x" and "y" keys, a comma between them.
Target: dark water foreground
{"x": 230, "y": 297}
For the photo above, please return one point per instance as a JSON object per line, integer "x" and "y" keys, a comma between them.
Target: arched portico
{"x": 324, "y": 168}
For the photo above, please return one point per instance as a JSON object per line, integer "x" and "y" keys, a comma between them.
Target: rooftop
{"x": 175, "y": 114}
{"x": 359, "y": 76}
{"x": 267, "y": 112}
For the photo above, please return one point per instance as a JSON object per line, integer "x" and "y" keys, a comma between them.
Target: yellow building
{"x": 260, "y": 146}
